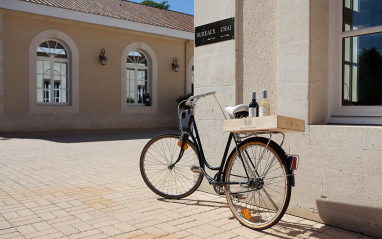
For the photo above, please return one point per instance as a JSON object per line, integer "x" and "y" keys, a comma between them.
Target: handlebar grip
{"x": 199, "y": 96}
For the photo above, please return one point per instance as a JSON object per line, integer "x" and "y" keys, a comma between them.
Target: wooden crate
{"x": 266, "y": 123}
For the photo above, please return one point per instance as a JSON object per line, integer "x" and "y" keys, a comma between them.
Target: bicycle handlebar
{"x": 188, "y": 102}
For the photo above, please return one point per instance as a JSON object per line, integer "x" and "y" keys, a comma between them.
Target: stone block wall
{"x": 283, "y": 46}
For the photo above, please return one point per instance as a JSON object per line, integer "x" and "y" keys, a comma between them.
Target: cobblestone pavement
{"x": 88, "y": 185}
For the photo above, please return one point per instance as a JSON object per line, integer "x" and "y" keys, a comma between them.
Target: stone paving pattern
{"x": 88, "y": 185}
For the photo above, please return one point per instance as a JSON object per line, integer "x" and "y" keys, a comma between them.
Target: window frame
{"x": 136, "y": 68}
{"x": 152, "y": 75}
{"x": 337, "y": 112}
{"x": 52, "y": 90}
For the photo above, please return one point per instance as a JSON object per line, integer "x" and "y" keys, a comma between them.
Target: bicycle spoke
{"x": 176, "y": 181}
{"x": 263, "y": 195}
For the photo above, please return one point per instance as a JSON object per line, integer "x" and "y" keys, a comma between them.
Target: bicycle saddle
{"x": 237, "y": 111}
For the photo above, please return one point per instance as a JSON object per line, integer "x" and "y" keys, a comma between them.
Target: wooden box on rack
{"x": 266, "y": 123}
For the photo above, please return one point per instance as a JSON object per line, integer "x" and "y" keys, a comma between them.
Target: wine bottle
{"x": 253, "y": 107}
{"x": 265, "y": 109}
{"x": 147, "y": 103}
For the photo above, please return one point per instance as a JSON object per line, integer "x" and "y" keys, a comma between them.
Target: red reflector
{"x": 293, "y": 162}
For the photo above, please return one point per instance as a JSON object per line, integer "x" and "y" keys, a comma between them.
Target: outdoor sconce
{"x": 175, "y": 65}
{"x": 102, "y": 57}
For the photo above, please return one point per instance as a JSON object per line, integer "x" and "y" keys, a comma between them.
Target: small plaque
{"x": 215, "y": 32}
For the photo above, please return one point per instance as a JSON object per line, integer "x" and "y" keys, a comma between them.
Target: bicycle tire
{"x": 172, "y": 183}
{"x": 252, "y": 203}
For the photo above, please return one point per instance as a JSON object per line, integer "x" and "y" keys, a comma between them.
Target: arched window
{"x": 137, "y": 78}
{"x": 52, "y": 73}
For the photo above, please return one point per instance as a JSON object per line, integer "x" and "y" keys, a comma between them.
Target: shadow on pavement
{"x": 204, "y": 203}
{"x": 283, "y": 229}
{"x": 91, "y": 136}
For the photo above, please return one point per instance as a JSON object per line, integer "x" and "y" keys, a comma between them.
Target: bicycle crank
{"x": 219, "y": 189}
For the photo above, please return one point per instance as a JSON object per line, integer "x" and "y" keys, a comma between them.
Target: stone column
{"x": 215, "y": 70}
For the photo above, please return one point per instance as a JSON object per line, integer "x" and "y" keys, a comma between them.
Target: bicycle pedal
{"x": 196, "y": 169}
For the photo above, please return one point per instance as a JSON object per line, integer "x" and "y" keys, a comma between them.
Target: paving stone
{"x": 42, "y": 226}
{"x": 41, "y": 233}
{"x": 47, "y": 216}
{"x": 125, "y": 227}
{"x": 10, "y": 215}
{"x": 12, "y": 235}
{"x": 68, "y": 230}
{"x": 82, "y": 226}
{"x": 85, "y": 234}
{"x": 26, "y": 229}
{"x": 90, "y": 187}
{"x": 133, "y": 234}
{"x": 4, "y": 225}
{"x": 110, "y": 230}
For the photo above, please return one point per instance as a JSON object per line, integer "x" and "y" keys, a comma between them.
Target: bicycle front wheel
{"x": 159, "y": 172}
{"x": 262, "y": 197}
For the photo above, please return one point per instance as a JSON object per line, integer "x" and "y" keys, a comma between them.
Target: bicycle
{"x": 256, "y": 177}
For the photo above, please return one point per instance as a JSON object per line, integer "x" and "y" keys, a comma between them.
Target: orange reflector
{"x": 185, "y": 147}
{"x": 246, "y": 214}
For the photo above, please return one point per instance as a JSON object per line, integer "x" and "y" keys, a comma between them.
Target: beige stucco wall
{"x": 99, "y": 86}
{"x": 283, "y": 46}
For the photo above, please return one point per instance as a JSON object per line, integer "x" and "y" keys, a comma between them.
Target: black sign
{"x": 215, "y": 32}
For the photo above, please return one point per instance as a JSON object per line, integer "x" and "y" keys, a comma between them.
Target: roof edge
{"x": 159, "y": 8}
{"x": 94, "y": 19}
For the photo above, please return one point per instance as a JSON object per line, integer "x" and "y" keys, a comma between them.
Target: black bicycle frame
{"x": 192, "y": 131}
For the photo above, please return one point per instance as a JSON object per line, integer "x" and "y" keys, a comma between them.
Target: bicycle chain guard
{"x": 219, "y": 189}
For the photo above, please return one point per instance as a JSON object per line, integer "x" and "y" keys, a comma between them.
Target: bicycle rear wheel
{"x": 159, "y": 173}
{"x": 263, "y": 197}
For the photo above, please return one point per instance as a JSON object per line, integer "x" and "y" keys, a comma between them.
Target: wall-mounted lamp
{"x": 102, "y": 57}
{"x": 175, "y": 65}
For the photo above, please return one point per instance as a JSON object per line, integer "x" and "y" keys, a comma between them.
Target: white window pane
{"x": 347, "y": 49}
{"x": 64, "y": 82}
{"x": 354, "y": 84}
{"x": 356, "y": 5}
{"x": 40, "y": 67}
{"x": 57, "y": 68}
{"x": 355, "y": 49}
{"x": 131, "y": 85}
{"x": 40, "y": 94}
{"x": 347, "y": 4}
{"x": 40, "y": 81}
{"x": 346, "y": 87}
{"x": 139, "y": 75}
{"x": 63, "y": 96}
{"x": 136, "y": 58}
{"x": 127, "y": 74}
{"x": 46, "y": 66}
{"x": 130, "y": 98}
{"x": 63, "y": 69}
